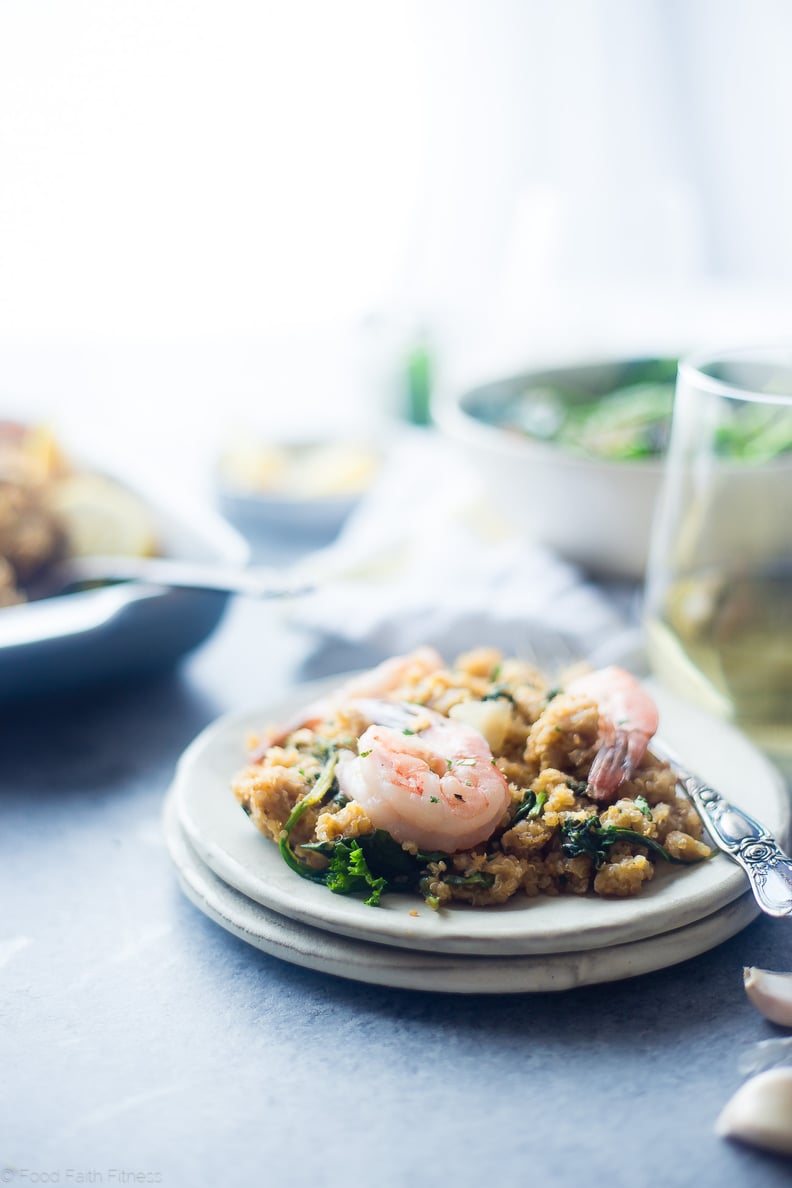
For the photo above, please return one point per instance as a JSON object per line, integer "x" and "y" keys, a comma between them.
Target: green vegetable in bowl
{"x": 632, "y": 421}
{"x": 756, "y": 432}
{"x": 628, "y": 422}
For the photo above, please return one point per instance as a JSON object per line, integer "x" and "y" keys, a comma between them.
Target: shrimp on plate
{"x": 627, "y": 720}
{"x": 433, "y": 783}
{"x": 376, "y": 682}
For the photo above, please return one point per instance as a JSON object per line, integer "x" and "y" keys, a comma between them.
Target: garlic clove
{"x": 770, "y": 993}
{"x": 760, "y": 1113}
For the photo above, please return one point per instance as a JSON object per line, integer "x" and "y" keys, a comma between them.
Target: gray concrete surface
{"x": 140, "y": 1043}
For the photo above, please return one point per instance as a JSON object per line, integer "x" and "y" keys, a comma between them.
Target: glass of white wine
{"x": 719, "y": 580}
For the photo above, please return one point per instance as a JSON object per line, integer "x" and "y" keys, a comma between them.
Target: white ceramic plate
{"x": 384, "y": 965}
{"x": 227, "y": 841}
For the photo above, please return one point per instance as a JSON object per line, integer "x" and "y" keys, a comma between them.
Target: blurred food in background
{"x": 51, "y": 509}
{"x": 293, "y": 495}
{"x": 309, "y": 470}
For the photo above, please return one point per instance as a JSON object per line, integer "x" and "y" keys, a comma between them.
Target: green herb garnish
{"x": 499, "y": 695}
{"x": 325, "y": 785}
{"x": 480, "y": 878}
{"x": 349, "y": 872}
{"x": 387, "y": 865}
{"x": 531, "y": 805}
{"x": 592, "y": 838}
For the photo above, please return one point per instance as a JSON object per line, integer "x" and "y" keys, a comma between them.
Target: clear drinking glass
{"x": 719, "y": 580}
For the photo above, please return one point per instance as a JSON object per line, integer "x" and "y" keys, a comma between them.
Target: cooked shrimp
{"x": 376, "y": 682}
{"x": 627, "y": 720}
{"x": 437, "y": 787}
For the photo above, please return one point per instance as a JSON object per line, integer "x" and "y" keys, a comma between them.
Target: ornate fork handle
{"x": 743, "y": 838}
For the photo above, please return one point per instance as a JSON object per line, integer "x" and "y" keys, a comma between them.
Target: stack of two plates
{"x": 237, "y": 877}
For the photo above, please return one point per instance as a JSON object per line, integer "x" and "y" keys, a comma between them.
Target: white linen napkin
{"x": 425, "y": 558}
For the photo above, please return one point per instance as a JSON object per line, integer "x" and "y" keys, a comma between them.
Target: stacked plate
{"x": 237, "y": 877}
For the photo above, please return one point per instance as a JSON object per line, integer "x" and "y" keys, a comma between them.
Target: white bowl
{"x": 597, "y": 513}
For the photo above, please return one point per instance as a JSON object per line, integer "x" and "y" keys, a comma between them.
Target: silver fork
{"x": 739, "y": 835}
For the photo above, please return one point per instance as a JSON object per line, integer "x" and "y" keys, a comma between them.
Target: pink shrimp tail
{"x": 619, "y": 754}
{"x": 627, "y": 721}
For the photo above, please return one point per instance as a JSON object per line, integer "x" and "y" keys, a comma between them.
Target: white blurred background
{"x": 247, "y": 211}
